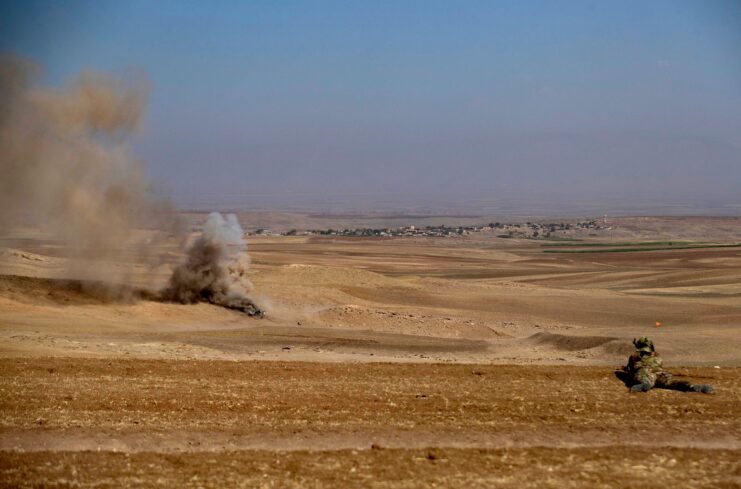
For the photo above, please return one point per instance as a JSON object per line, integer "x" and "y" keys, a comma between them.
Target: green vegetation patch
{"x": 635, "y": 243}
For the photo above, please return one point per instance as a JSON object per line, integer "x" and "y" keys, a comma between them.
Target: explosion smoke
{"x": 215, "y": 268}
{"x": 67, "y": 168}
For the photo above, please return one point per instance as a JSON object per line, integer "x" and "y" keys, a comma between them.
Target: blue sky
{"x": 561, "y": 100}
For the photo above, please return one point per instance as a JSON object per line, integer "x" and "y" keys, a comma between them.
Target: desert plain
{"x": 467, "y": 361}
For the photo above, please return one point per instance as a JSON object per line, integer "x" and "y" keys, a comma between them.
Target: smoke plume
{"x": 67, "y": 168}
{"x": 215, "y": 268}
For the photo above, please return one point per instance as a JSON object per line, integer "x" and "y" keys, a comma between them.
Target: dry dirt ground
{"x": 180, "y": 423}
{"x": 407, "y": 362}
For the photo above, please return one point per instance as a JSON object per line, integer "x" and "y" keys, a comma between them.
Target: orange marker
{"x": 658, "y": 323}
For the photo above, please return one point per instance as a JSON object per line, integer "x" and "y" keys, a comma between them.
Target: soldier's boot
{"x": 704, "y": 388}
{"x": 644, "y": 387}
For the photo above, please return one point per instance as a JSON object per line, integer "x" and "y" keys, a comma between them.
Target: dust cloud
{"x": 68, "y": 169}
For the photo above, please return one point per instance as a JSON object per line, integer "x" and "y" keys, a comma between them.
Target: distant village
{"x": 530, "y": 230}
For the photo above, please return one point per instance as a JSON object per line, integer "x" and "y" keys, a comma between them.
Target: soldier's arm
{"x": 634, "y": 363}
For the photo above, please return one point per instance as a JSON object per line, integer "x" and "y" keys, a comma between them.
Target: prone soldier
{"x": 646, "y": 371}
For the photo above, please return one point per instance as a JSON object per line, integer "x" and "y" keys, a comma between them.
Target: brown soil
{"x": 311, "y": 423}
{"x": 536, "y": 467}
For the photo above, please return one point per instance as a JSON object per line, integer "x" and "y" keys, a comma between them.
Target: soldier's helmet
{"x": 644, "y": 344}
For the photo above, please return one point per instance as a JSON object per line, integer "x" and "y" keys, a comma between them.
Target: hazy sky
{"x": 289, "y": 100}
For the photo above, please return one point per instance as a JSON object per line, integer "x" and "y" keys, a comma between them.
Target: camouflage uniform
{"x": 646, "y": 371}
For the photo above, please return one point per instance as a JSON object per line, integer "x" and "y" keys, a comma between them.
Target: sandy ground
{"x": 436, "y": 300}
{"x": 471, "y": 361}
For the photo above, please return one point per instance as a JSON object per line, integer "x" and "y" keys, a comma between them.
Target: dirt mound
{"x": 34, "y": 290}
{"x": 10, "y": 253}
{"x": 622, "y": 348}
{"x": 568, "y": 342}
